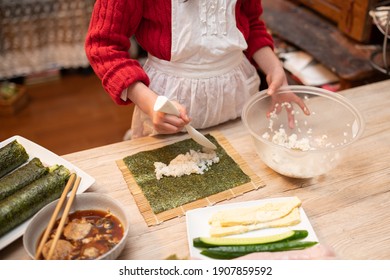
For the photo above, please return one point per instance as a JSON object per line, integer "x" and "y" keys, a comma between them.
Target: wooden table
{"x": 348, "y": 207}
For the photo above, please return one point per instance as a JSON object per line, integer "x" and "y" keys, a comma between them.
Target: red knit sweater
{"x": 114, "y": 22}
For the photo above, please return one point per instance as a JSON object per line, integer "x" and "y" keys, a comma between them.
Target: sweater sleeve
{"x": 107, "y": 45}
{"x": 257, "y": 35}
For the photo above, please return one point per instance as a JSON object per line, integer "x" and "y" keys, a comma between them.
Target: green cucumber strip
{"x": 207, "y": 242}
{"x": 231, "y": 252}
{"x": 298, "y": 234}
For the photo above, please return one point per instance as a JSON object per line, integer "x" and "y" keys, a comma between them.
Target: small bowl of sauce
{"x": 96, "y": 228}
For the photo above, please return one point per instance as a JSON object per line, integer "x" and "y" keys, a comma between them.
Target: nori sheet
{"x": 12, "y": 156}
{"x": 21, "y": 177}
{"x": 23, "y": 204}
{"x": 171, "y": 192}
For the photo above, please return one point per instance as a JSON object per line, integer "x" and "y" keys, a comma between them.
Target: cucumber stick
{"x": 12, "y": 156}
{"x": 23, "y": 204}
{"x": 21, "y": 177}
{"x": 231, "y": 252}
{"x": 207, "y": 242}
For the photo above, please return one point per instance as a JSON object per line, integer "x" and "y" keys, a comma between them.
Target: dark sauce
{"x": 105, "y": 233}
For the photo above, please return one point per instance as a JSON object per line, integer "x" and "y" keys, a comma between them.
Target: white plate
{"x": 48, "y": 158}
{"x": 198, "y": 226}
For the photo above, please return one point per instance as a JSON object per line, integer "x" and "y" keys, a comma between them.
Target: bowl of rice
{"x": 298, "y": 144}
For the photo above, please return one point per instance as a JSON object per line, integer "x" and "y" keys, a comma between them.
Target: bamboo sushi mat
{"x": 154, "y": 219}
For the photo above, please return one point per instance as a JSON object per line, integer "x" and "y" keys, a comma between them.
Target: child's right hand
{"x": 169, "y": 124}
{"x": 145, "y": 98}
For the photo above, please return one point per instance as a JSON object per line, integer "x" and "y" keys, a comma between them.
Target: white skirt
{"x": 211, "y": 93}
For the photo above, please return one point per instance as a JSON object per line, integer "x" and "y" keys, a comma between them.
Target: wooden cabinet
{"x": 351, "y": 16}
{"x": 309, "y": 31}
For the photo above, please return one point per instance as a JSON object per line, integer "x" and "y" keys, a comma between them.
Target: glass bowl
{"x": 310, "y": 144}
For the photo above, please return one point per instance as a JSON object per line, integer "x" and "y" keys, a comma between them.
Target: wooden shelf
{"x": 320, "y": 38}
{"x": 350, "y": 16}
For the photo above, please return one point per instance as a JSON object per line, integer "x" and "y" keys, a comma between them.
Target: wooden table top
{"x": 348, "y": 207}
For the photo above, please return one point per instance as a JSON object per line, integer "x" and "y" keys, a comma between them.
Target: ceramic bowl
{"x": 83, "y": 201}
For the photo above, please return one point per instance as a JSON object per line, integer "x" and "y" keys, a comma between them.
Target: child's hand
{"x": 276, "y": 78}
{"x": 285, "y": 100}
{"x": 168, "y": 124}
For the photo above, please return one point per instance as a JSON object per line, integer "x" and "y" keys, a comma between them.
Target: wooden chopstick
{"x": 53, "y": 218}
{"x": 64, "y": 217}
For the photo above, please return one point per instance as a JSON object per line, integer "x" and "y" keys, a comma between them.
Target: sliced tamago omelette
{"x": 256, "y": 214}
{"x": 291, "y": 219}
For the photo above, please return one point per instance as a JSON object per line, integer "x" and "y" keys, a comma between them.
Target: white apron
{"x": 208, "y": 72}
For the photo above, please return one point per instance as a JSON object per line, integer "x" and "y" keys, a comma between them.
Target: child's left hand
{"x": 285, "y": 100}
{"x": 276, "y": 79}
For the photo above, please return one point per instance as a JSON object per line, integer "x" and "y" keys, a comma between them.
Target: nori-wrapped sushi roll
{"x": 12, "y": 156}
{"x": 17, "y": 208}
{"x": 21, "y": 177}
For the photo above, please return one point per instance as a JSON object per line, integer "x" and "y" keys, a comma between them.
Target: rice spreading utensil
{"x": 164, "y": 105}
